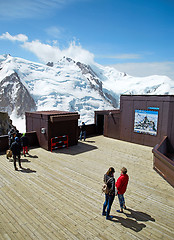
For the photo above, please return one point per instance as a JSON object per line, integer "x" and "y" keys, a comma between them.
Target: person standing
{"x": 83, "y": 131}
{"x": 24, "y": 141}
{"x": 121, "y": 186}
{"x": 16, "y": 150}
{"x": 109, "y": 197}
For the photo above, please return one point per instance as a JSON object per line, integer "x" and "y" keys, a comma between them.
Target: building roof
{"x": 52, "y": 112}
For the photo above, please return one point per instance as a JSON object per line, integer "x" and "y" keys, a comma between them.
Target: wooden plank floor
{"x": 58, "y": 195}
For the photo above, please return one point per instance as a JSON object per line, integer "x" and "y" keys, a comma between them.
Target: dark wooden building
{"x": 108, "y": 123}
{"x": 142, "y": 119}
{"x": 50, "y": 124}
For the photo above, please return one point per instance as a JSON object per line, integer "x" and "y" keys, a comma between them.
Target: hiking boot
{"x": 120, "y": 211}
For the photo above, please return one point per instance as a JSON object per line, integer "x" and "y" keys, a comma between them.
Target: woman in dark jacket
{"x": 109, "y": 197}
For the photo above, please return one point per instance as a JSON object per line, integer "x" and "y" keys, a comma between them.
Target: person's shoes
{"x": 24, "y": 155}
{"x": 120, "y": 211}
{"x": 125, "y": 207}
{"x": 104, "y": 214}
{"x": 109, "y": 218}
{"x": 16, "y": 169}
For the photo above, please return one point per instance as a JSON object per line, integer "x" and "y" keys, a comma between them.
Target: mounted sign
{"x": 146, "y": 122}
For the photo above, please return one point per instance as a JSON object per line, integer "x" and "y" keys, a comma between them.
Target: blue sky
{"x": 134, "y": 36}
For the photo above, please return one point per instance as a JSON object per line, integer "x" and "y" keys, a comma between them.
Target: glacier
{"x": 69, "y": 85}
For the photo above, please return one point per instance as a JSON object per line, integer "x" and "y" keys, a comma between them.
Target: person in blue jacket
{"x": 83, "y": 131}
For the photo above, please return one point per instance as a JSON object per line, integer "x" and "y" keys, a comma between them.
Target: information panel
{"x": 146, "y": 122}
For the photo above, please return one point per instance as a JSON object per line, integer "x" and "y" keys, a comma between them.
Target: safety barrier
{"x": 59, "y": 142}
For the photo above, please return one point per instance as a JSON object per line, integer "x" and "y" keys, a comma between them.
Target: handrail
{"x": 156, "y": 151}
{"x": 161, "y": 163}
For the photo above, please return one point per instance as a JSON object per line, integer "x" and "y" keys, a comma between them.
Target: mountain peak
{"x": 69, "y": 85}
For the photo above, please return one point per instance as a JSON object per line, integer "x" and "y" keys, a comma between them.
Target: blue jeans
{"x": 121, "y": 200}
{"x": 108, "y": 203}
{"x": 83, "y": 133}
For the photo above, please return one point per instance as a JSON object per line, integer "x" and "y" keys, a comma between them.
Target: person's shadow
{"x": 129, "y": 223}
{"x": 27, "y": 170}
{"x": 133, "y": 223}
{"x": 25, "y": 160}
{"x": 32, "y": 156}
{"x": 89, "y": 141}
{"x": 139, "y": 216}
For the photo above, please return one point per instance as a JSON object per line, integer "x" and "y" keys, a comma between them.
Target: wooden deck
{"x": 58, "y": 195}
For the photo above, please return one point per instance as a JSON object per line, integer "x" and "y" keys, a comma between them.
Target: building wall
{"x": 32, "y": 138}
{"x": 170, "y": 126}
{"x": 69, "y": 128}
{"x": 34, "y": 122}
{"x": 112, "y": 125}
{"x": 119, "y": 124}
{"x": 128, "y": 105}
{"x": 55, "y": 125}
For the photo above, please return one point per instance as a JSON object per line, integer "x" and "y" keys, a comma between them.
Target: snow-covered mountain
{"x": 69, "y": 86}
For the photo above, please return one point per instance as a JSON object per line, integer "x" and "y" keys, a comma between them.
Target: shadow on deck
{"x": 77, "y": 149}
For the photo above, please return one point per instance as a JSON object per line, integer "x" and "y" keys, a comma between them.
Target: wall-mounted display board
{"x": 146, "y": 121}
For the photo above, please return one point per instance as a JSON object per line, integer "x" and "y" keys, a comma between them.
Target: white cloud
{"x": 147, "y": 69}
{"x": 19, "y": 37}
{"x": 46, "y": 52}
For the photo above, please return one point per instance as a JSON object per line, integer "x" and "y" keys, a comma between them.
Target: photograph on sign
{"x": 146, "y": 122}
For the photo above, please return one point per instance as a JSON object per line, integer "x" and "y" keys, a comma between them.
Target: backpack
{"x": 105, "y": 188}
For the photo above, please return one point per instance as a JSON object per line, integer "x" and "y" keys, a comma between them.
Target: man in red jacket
{"x": 121, "y": 186}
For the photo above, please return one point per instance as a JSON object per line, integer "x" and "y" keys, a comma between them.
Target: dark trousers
{"x": 83, "y": 133}
{"x": 19, "y": 160}
{"x": 108, "y": 203}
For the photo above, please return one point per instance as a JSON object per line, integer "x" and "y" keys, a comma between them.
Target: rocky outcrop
{"x": 5, "y": 123}
{"x": 96, "y": 83}
{"x": 14, "y": 96}
{"x": 50, "y": 64}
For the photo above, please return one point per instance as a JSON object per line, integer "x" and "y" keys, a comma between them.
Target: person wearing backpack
{"x": 110, "y": 194}
{"x": 121, "y": 186}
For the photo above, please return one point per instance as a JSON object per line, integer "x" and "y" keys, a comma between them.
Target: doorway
{"x": 100, "y": 124}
